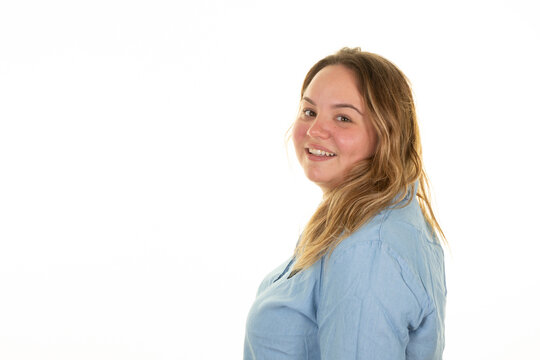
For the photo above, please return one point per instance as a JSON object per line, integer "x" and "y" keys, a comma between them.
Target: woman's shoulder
{"x": 402, "y": 229}
{"x": 391, "y": 271}
{"x": 367, "y": 265}
{"x": 397, "y": 239}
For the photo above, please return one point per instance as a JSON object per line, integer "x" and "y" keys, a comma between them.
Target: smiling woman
{"x": 367, "y": 277}
{"x": 332, "y": 133}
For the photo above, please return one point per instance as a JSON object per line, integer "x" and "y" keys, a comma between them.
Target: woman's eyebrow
{"x": 347, "y": 106}
{"x": 335, "y": 106}
{"x": 308, "y": 100}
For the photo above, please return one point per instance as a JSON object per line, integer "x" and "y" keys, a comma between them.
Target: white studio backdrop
{"x": 145, "y": 188}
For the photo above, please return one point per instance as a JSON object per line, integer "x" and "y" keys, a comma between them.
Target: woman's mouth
{"x": 321, "y": 153}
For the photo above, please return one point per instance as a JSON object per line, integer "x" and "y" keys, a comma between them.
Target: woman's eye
{"x": 309, "y": 113}
{"x": 343, "y": 118}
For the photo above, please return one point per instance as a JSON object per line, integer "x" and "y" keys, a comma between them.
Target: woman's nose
{"x": 319, "y": 129}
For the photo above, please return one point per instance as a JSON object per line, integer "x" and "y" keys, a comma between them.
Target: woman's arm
{"x": 370, "y": 304}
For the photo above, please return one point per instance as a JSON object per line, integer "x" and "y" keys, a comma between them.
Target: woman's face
{"x": 332, "y": 132}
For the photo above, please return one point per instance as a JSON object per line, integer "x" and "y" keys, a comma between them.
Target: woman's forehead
{"x": 333, "y": 84}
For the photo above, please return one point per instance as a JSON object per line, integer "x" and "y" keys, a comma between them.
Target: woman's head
{"x": 358, "y": 107}
{"x": 332, "y": 132}
{"x": 357, "y": 137}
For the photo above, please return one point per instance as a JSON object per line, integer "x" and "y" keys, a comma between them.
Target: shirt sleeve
{"x": 369, "y": 303}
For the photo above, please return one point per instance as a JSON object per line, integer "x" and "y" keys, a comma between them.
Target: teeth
{"x": 320, "y": 152}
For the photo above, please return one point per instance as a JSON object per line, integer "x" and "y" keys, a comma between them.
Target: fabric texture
{"x": 380, "y": 295}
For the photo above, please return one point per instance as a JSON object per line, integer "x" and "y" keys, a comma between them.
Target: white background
{"x": 145, "y": 188}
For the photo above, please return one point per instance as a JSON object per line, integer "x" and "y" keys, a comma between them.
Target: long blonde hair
{"x": 381, "y": 180}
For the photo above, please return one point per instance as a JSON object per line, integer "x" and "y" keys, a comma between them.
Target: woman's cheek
{"x": 299, "y": 132}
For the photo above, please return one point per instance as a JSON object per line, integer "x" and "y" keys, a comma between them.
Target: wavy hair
{"x": 385, "y": 178}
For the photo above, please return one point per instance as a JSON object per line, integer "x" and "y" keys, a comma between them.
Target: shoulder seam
{"x": 430, "y": 306}
{"x": 382, "y": 223}
{"x": 427, "y": 303}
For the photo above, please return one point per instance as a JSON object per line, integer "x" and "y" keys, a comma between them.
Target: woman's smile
{"x": 319, "y": 153}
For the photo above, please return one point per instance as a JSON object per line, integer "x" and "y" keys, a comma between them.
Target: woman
{"x": 367, "y": 277}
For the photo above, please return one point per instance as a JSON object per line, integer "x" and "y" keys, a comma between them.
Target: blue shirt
{"x": 380, "y": 295}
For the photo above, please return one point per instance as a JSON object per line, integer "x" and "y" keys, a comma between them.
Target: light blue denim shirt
{"x": 380, "y": 295}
